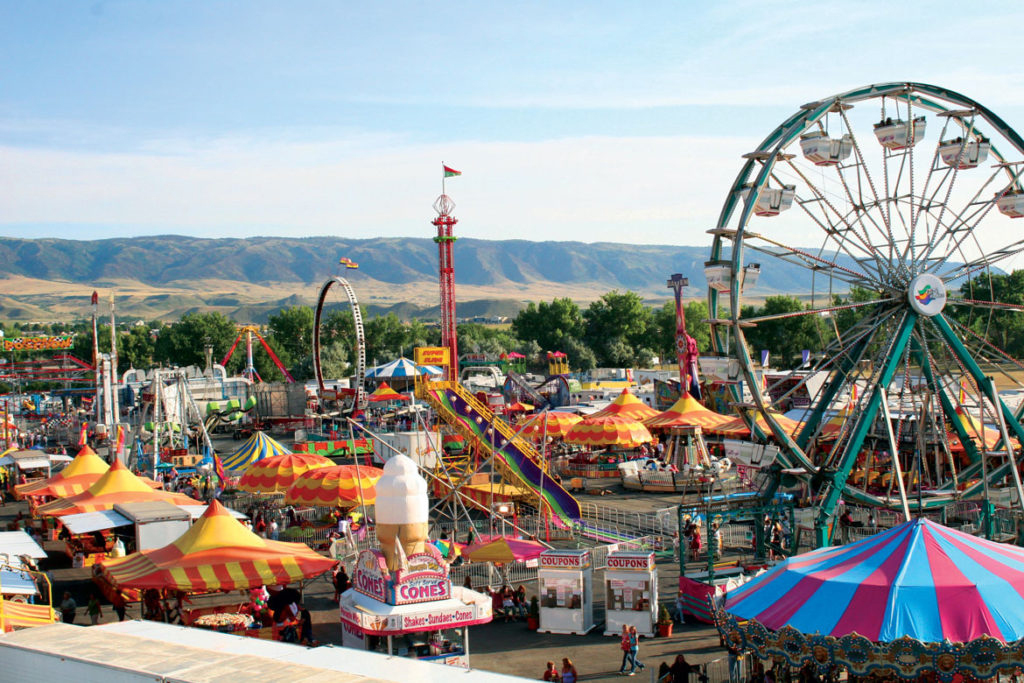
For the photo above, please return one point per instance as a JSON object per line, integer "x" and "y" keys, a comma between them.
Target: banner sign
{"x": 46, "y": 343}
{"x": 432, "y": 355}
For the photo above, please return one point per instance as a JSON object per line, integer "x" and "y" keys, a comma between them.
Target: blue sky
{"x": 593, "y": 121}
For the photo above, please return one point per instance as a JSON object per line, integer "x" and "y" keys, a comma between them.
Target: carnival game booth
{"x": 565, "y": 589}
{"x": 218, "y": 554}
{"x": 417, "y": 610}
{"x": 919, "y": 601}
{"x": 631, "y": 592}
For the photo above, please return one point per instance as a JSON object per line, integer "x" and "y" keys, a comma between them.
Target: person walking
{"x": 634, "y": 649}
{"x": 680, "y": 670}
{"x": 68, "y": 606}
{"x": 551, "y": 673}
{"x": 569, "y": 673}
{"x": 94, "y": 610}
{"x": 625, "y": 647}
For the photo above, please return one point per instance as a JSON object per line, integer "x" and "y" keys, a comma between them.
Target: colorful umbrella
{"x": 216, "y": 554}
{"x": 337, "y": 485}
{"x": 257, "y": 447}
{"x": 629, "y": 406}
{"x": 118, "y": 485}
{"x": 386, "y": 393}
{"x": 687, "y": 411}
{"x": 279, "y": 472}
{"x": 403, "y": 367}
{"x": 608, "y": 431}
{"x": 78, "y": 476}
{"x": 737, "y": 427}
{"x": 449, "y": 549}
{"x": 557, "y": 425}
{"x": 503, "y": 550}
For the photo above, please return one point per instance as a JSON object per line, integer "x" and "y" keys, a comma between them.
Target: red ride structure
{"x": 445, "y": 241}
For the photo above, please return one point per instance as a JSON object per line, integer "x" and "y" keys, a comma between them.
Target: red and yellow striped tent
{"x": 613, "y": 430}
{"x": 737, "y": 427}
{"x": 629, "y": 406}
{"x": 79, "y": 475}
{"x": 279, "y": 472}
{"x": 118, "y": 485}
{"x": 23, "y": 615}
{"x": 687, "y": 412}
{"x": 386, "y": 393}
{"x": 217, "y": 554}
{"x": 554, "y": 424}
{"x": 337, "y": 485}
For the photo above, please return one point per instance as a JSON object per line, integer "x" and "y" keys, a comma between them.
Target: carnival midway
{"x": 858, "y": 518}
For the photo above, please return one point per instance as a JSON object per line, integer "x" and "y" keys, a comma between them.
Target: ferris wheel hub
{"x": 927, "y": 295}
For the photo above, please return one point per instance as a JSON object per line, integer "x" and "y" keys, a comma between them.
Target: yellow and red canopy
{"x": 629, "y": 406}
{"x": 386, "y": 393}
{"x": 279, "y": 472}
{"x": 337, "y": 485}
{"x": 689, "y": 412}
{"x": 217, "y": 553}
{"x": 79, "y": 475}
{"x": 608, "y": 431}
{"x": 118, "y": 485}
{"x": 553, "y": 424}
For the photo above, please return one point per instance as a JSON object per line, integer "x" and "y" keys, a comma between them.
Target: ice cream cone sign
{"x": 402, "y": 511}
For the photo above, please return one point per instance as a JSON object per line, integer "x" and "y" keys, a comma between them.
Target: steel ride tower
{"x": 446, "y": 267}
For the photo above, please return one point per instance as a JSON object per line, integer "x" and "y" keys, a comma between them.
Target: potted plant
{"x": 664, "y": 622}
{"x": 533, "y": 617}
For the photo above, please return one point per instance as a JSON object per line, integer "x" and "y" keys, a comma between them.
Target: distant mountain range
{"x": 166, "y": 276}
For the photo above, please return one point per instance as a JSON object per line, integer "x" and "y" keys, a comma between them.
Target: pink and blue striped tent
{"x": 919, "y": 579}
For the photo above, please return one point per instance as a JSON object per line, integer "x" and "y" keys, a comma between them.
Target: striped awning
{"x": 629, "y": 406}
{"x": 257, "y": 447}
{"x": 23, "y": 615}
{"x": 217, "y": 554}
{"x": 118, "y": 485}
{"x": 279, "y": 472}
{"x": 687, "y": 412}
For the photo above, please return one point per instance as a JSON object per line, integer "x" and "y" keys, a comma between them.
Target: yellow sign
{"x": 431, "y": 355}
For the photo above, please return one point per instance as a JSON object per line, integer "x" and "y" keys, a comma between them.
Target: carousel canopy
{"x": 78, "y": 476}
{"x": 738, "y": 427}
{"x": 919, "y": 579}
{"x": 257, "y": 447}
{"x": 552, "y": 423}
{"x": 386, "y": 393}
{"x": 217, "y": 553}
{"x": 279, "y": 472}
{"x": 403, "y": 367}
{"x": 337, "y": 485}
{"x": 118, "y": 485}
{"x": 687, "y": 411}
{"x": 608, "y": 431}
{"x": 504, "y": 550}
{"x": 629, "y": 406}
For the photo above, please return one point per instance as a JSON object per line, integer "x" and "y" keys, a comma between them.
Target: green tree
{"x": 182, "y": 343}
{"x": 135, "y": 349}
{"x": 663, "y": 328}
{"x": 785, "y": 338}
{"x": 292, "y": 331}
{"x": 551, "y": 325}
{"x": 617, "y": 326}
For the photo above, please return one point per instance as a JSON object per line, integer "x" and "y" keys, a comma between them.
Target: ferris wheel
{"x": 902, "y": 193}
{"x": 329, "y": 300}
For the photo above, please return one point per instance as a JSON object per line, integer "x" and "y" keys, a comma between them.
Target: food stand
{"x": 631, "y": 592}
{"x": 418, "y": 606}
{"x": 565, "y": 589}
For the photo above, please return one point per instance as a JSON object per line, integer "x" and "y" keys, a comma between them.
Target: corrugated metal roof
{"x": 87, "y": 522}
{"x": 16, "y": 543}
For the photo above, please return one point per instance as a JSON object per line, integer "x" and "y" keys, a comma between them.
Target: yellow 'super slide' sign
{"x": 432, "y": 355}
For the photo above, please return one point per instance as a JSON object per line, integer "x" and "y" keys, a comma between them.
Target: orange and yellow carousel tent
{"x": 386, "y": 393}
{"x": 629, "y": 406}
{"x": 118, "y": 485}
{"x": 217, "y": 554}
{"x": 337, "y": 485}
{"x": 687, "y": 412}
{"x": 279, "y": 472}
{"x": 613, "y": 430}
{"x": 79, "y": 475}
{"x": 554, "y": 424}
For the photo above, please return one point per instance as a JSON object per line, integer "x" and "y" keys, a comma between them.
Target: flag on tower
{"x": 450, "y": 172}
{"x": 95, "y": 298}
{"x": 218, "y": 468}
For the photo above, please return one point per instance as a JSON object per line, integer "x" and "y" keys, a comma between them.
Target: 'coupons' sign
{"x": 556, "y": 559}
{"x": 631, "y": 561}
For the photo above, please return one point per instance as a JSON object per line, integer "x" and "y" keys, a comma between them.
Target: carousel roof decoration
{"x": 279, "y": 472}
{"x": 256, "y": 448}
{"x": 386, "y": 393}
{"x": 216, "y": 554}
{"x": 918, "y": 597}
{"x": 555, "y": 424}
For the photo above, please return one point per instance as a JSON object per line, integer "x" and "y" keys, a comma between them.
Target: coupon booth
{"x": 565, "y": 590}
{"x": 631, "y": 592}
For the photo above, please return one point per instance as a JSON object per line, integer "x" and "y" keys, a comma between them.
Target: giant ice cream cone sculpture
{"x": 402, "y": 511}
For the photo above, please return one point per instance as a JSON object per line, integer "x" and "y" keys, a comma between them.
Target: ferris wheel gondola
{"x": 912, "y": 231}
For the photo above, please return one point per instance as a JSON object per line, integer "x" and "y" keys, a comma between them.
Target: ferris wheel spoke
{"x": 816, "y": 311}
{"x": 862, "y": 168}
{"x": 983, "y": 263}
{"x": 961, "y": 227}
{"x": 969, "y": 336}
{"x": 805, "y": 259}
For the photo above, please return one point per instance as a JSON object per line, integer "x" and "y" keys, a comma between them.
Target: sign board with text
{"x": 432, "y": 355}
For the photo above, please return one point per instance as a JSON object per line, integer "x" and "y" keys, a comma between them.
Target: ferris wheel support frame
{"x": 359, "y": 403}
{"x": 770, "y": 149}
